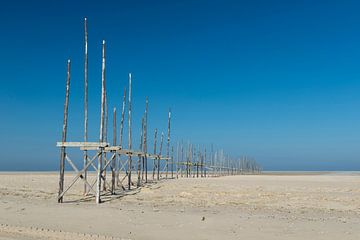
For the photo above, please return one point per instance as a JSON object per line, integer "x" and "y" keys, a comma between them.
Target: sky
{"x": 275, "y": 80}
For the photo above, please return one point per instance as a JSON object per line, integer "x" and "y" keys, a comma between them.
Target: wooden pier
{"x": 101, "y": 156}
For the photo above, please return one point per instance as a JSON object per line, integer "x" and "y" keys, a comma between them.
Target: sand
{"x": 273, "y": 206}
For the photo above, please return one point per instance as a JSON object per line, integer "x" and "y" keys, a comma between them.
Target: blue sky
{"x": 276, "y": 80}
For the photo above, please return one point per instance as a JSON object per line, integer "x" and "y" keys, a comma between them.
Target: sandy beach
{"x": 269, "y": 206}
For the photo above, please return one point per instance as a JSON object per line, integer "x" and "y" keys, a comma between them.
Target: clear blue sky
{"x": 276, "y": 80}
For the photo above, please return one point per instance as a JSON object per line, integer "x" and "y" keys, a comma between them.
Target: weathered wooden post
{"x": 160, "y": 152}
{"x": 177, "y": 160}
{"x": 85, "y": 101}
{"x": 105, "y": 139}
{"x": 182, "y": 159}
{"x": 205, "y": 162}
{"x": 121, "y": 133}
{"x": 113, "y": 167}
{"x": 168, "y": 144}
{"x": 154, "y": 166}
{"x": 102, "y": 122}
{"x": 64, "y": 131}
{"x": 145, "y": 139}
{"x": 172, "y": 161}
{"x": 130, "y": 145}
{"x": 140, "y": 157}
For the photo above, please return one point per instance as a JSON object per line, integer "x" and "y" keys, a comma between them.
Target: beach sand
{"x": 270, "y": 206}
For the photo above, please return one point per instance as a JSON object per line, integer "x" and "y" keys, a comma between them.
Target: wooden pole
{"x": 172, "y": 161}
{"x": 105, "y": 139}
{"x": 121, "y": 133}
{"x": 140, "y": 157}
{"x": 204, "y": 162}
{"x": 122, "y": 118}
{"x": 85, "y": 101}
{"x": 154, "y": 166}
{"x": 113, "y": 174}
{"x": 177, "y": 160}
{"x": 168, "y": 143}
{"x": 160, "y": 152}
{"x": 130, "y": 141}
{"x": 102, "y": 122}
{"x": 64, "y": 131}
{"x": 145, "y": 138}
{"x": 182, "y": 158}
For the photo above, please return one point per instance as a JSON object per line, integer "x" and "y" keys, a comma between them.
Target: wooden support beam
{"x": 64, "y": 131}
{"x": 84, "y": 145}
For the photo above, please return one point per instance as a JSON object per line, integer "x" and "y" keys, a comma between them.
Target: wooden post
{"x": 113, "y": 168}
{"x": 64, "y": 131}
{"x": 168, "y": 143}
{"x": 160, "y": 152}
{"x": 204, "y": 162}
{"x": 177, "y": 160}
{"x": 105, "y": 139}
{"x": 85, "y": 101}
{"x": 172, "y": 162}
{"x": 182, "y": 158}
{"x": 102, "y": 122}
{"x": 130, "y": 141}
{"x": 145, "y": 138}
{"x": 122, "y": 119}
{"x": 140, "y": 157}
{"x": 121, "y": 132}
{"x": 154, "y": 166}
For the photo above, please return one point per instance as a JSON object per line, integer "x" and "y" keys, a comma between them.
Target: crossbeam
{"x": 82, "y": 144}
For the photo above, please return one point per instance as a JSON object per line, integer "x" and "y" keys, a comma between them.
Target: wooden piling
{"x": 160, "y": 152}
{"x": 102, "y": 122}
{"x": 113, "y": 167}
{"x": 64, "y": 132}
{"x": 172, "y": 162}
{"x": 130, "y": 141}
{"x": 121, "y": 133}
{"x": 154, "y": 165}
{"x": 85, "y": 100}
{"x": 140, "y": 157}
{"x": 105, "y": 139}
{"x": 145, "y": 138}
{"x": 168, "y": 143}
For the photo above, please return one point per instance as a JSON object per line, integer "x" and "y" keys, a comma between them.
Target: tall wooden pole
{"x": 182, "y": 158}
{"x": 177, "y": 160}
{"x": 64, "y": 131}
{"x": 121, "y": 133}
{"x": 160, "y": 152}
{"x": 145, "y": 138}
{"x": 140, "y": 157}
{"x": 113, "y": 168}
{"x": 122, "y": 118}
{"x": 85, "y": 101}
{"x": 154, "y": 166}
{"x": 130, "y": 141}
{"x": 102, "y": 122}
{"x": 105, "y": 139}
{"x": 168, "y": 144}
{"x": 204, "y": 162}
{"x": 172, "y": 162}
